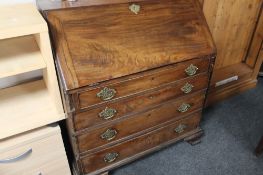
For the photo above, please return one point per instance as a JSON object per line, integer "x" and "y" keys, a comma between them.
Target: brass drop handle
{"x": 109, "y": 135}
{"x": 180, "y": 128}
{"x": 135, "y": 8}
{"x": 184, "y": 107}
{"x": 111, "y": 157}
{"x": 191, "y": 70}
{"x": 187, "y": 88}
{"x": 106, "y": 94}
{"x": 107, "y": 113}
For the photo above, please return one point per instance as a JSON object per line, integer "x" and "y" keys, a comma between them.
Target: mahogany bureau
{"x": 133, "y": 74}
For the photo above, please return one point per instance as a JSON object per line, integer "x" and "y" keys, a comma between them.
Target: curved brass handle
{"x": 181, "y": 128}
{"x": 108, "y": 113}
{"x": 109, "y": 135}
{"x": 106, "y": 94}
{"x": 17, "y": 158}
{"x": 135, "y": 8}
{"x": 191, "y": 70}
{"x": 111, "y": 157}
{"x": 184, "y": 107}
{"x": 187, "y": 88}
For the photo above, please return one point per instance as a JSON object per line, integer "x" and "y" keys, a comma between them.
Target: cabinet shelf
{"x": 20, "y": 55}
{"x": 26, "y": 106}
{"x": 26, "y": 55}
{"x": 20, "y": 20}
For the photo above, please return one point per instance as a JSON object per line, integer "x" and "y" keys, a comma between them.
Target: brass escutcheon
{"x": 109, "y": 135}
{"x": 180, "y": 128}
{"x": 187, "y": 88}
{"x": 108, "y": 113}
{"x": 135, "y": 8}
{"x": 184, "y": 107}
{"x": 106, "y": 94}
{"x": 110, "y": 157}
{"x": 191, "y": 70}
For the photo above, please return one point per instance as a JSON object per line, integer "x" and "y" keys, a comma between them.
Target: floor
{"x": 232, "y": 130}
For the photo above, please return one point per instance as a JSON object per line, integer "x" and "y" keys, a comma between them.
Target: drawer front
{"x": 142, "y": 82}
{"x": 140, "y": 144}
{"x": 42, "y": 156}
{"x": 117, "y": 109}
{"x": 115, "y": 132}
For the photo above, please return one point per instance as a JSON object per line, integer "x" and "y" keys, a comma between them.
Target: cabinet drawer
{"x": 141, "y": 82}
{"x": 118, "y": 109}
{"x": 136, "y": 146}
{"x": 34, "y": 153}
{"x": 115, "y": 132}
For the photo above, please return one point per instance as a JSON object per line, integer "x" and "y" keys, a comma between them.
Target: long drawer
{"x": 141, "y": 82}
{"x": 39, "y": 152}
{"x": 118, "y": 109}
{"x": 134, "y": 147}
{"x": 112, "y": 133}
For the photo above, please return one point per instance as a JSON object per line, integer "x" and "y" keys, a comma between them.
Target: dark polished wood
{"x": 195, "y": 138}
{"x": 121, "y": 43}
{"x": 131, "y": 83}
{"x": 137, "y": 123}
{"x": 135, "y": 104}
{"x": 149, "y": 80}
{"x": 140, "y": 144}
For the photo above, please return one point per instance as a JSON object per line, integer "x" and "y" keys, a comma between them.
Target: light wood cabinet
{"x": 30, "y": 103}
{"x": 25, "y": 48}
{"x": 39, "y": 152}
{"x": 237, "y": 29}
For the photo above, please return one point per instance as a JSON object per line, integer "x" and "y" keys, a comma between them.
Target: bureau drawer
{"x": 141, "y": 82}
{"x": 38, "y": 152}
{"x": 117, "y": 154}
{"x": 118, "y": 109}
{"x": 115, "y": 132}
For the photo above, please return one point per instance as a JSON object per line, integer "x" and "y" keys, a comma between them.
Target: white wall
{"x": 11, "y": 2}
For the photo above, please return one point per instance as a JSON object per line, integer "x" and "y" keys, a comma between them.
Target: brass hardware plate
{"x": 187, "y": 88}
{"x": 184, "y": 107}
{"x": 135, "y": 8}
{"x": 108, "y": 135}
{"x": 191, "y": 70}
{"x": 180, "y": 128}
{"x": 106, "y": 94}
{"x": 110, "y": 157}
{"x": 108, "y": 113}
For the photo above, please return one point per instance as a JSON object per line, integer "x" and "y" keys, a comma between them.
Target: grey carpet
{"x": 232, "y": 130}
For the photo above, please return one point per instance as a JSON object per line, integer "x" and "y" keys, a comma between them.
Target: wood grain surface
{"x": 232, "y": 24}
{"x": 237, "y": 29}
{"x": 103, "y": 44}
{"x": 135, "y": 104}
{"x": 99, "y": 43}
{"x": 139, "y": 122}
{"x": 138, "y": 145}
{"x": 141, "y": 82}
